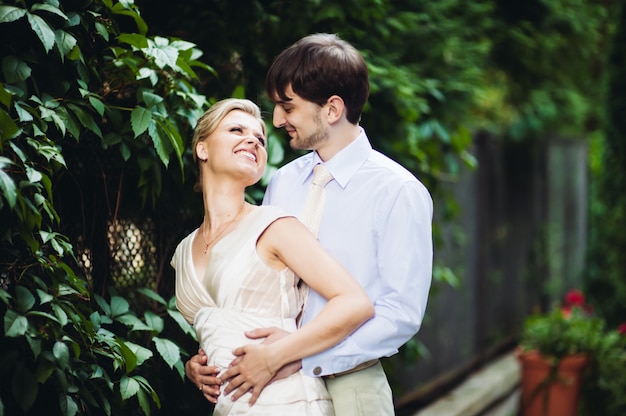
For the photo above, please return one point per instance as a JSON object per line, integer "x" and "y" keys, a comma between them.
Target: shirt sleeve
{"x": 405, "y": 257}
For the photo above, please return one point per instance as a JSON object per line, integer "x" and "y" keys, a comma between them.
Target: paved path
{"x": 491, "y": 391}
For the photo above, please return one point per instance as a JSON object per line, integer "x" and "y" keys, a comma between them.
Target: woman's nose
{"x": 254, "y": 140}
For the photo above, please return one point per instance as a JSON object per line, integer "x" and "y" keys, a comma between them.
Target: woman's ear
{"x": 335, "y": 109}
{"x": 201, "y": 151}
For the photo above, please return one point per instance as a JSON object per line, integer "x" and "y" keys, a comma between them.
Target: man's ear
{"x": 335, "y": 108}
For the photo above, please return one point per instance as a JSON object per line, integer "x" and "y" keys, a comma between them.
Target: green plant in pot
{"x": 554, "y": 349}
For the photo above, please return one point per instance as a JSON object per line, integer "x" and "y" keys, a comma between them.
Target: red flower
{"x": 575, "y": 298}
{"x": 622, "y": 329}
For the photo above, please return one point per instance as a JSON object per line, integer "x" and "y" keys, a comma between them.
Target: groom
{"x": 376, "y": 222}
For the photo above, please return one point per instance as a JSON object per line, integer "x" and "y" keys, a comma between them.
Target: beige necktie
{"x": 315, "y": 198}
{"x": 312, "y": 215}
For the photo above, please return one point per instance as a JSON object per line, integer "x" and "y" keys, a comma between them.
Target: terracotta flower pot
{"x": 547, "y": 391}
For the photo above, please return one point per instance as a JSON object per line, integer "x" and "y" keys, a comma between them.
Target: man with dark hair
{"x": 376, "y": 222}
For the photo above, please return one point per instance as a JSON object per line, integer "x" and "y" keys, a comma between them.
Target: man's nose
{"x": 278, "y": 118}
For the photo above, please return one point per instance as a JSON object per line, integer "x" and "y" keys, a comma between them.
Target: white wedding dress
{"x": 240, "y": 292}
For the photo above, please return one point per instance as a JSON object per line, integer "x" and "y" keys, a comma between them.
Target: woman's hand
{"x": 204, "y": 376}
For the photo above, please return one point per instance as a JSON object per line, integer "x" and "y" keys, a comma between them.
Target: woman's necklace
{"x": 207, "y": 244}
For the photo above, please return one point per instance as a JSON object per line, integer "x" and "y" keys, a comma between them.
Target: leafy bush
{"x": 84, "y": 93}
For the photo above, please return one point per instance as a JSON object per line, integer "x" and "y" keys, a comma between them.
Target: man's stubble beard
{"x": 313, "y": 141}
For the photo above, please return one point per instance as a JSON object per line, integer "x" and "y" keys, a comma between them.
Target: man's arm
{"x": 404, "y": 268}
{"x": 204, "y": 376}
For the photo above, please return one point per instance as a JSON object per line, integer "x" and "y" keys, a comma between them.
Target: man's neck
{"x": 339, "y": 138}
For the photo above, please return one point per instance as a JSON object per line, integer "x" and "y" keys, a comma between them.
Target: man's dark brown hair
{"x": 317, "y": 67}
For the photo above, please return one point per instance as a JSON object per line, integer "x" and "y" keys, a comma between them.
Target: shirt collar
{"x": 345, "y": 163}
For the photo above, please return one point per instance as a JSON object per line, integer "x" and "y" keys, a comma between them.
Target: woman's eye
{"x": 237, "y": 129}
{"x": 262, "y": 141}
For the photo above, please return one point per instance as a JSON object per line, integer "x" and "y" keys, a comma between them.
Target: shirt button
{"x": 317, "y": 371}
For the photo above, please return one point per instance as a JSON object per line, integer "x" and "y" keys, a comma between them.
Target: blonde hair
{"x": 209, "y": 121}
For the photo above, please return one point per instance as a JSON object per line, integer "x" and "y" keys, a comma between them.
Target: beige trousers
{"x": 362, "y": 393}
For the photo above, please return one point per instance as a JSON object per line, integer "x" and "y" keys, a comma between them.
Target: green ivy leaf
{"x": 102, "y": 31}
{"x": 7, "y": 186}
{"x": 141, "y": 353}
{"x": 44, "y": 297}
{"x": 175, "y": 139}
{"x": 15, "y": 325}
{"x": 10, "y": 14}
{"x": 33, "y": 175}
{"x": 14, "y": 69}
{"x": 119, "y": 306}
{"x": 62, "y": 354}
{"x": 145, "y": 386}
{"x": 184, "y": 67}
{"x": 5, "y": 96}
{"x": 160, "y": 142}
{"x": 68, "y": 121}
{"x": 168, "y": 350}
{"x": 43, "y": 31}
{"x": 103, "y": 304}
{"x": 68, "y": 406}
{"x": 154, "y": 321}
{"x": 142, "y": 398}
{"x": 60, "y": 314}
{"x": 24, "y": 111}
{"x": 128, "y": 387}
{"x": 152, "y": 295}
{"x": 97, "y": 104}
{"x": 133, "y": 322}
{"x": 182, "y": 323}
{"x": 128, "y": 359}
{"x": 140, "y": 119}
{"x": 50, "y": 9}
{"x": 86, "y": 119}
{"x": 65, "y": 42}
{"x": 163, "y": 53}
{"x": 151, "y": 99}
{"x": 43, "y": 315}
{"x": 24, "y": 299}
{"x": 123, "y": 9}
{"x": 134, "y": 39}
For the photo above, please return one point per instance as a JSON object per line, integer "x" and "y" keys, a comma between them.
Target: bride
{"x": 239, "y": 270}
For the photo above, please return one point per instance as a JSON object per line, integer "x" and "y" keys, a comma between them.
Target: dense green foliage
{"x": 550, "y": 63}
{"x": 86, "y": 98}
{"x": 607, "y": 263}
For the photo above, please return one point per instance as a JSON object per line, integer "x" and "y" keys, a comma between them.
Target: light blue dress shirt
{"x": 377, "y": 223}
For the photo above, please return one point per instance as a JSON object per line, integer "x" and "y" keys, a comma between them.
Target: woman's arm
{"x": 287, "y": 242}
